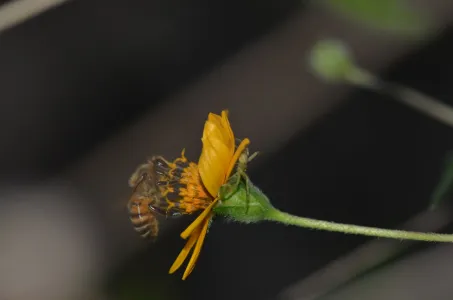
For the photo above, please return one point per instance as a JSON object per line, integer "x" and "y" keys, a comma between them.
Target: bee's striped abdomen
{"x": 143, "y": 218}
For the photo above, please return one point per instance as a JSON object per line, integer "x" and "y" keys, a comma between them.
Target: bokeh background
{"x": 90, "y": 89}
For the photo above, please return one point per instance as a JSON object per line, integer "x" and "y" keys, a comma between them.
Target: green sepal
{"x": 235, "y": 205}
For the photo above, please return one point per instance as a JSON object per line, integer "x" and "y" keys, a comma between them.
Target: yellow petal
{"x": 226, "y": 124}
{"x": 185, "y": 251}
{"x": 213, "y": 165}
{"x": 218, "y": 149}
{"x": 197, "y": 250}
{"x": 196, "y": 223}
{"x": 244, "y": 143}
{"x": 222, "y": 123}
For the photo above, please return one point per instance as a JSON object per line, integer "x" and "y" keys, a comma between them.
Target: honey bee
{"x": 164, "y": 188}
{"x": 150, "y": 183}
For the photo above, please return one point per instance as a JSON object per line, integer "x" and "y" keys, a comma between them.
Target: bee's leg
{"x": 170, "y": 205}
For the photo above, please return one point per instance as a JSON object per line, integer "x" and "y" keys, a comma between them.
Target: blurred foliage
{"x": 445, "y": 186}
{"x": 331, "y": 60}
{"x": 143, "y": 288}
{"x": 391, "y": 15}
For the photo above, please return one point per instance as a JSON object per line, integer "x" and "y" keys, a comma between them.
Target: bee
{"x": 150, "y": 183}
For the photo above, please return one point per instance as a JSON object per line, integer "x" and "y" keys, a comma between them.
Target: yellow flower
{"x": 217, "y": 160}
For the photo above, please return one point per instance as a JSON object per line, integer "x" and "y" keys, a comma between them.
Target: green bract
{"x": 234, "y": 203}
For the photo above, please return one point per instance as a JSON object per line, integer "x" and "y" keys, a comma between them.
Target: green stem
{"x": 285, "y": 218}
{"x": 425, "y": 104}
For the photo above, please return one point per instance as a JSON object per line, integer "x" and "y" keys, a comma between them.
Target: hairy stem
{"x": 285, "y": 218}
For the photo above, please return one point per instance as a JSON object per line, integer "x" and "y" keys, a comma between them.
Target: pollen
{"x": 194, "y": 195}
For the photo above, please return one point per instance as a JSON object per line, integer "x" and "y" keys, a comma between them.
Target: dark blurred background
{"x": 78, "y": 79}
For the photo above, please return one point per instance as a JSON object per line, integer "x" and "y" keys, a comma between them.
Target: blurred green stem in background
{"x": 444, "y": 187}
{"x": 332, "y": 61}
{"x": 395, "y": 16}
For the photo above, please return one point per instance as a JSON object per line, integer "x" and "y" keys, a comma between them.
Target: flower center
{"x": 180, "y": 186}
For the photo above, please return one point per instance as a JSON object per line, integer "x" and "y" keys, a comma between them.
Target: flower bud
{"x": 331, "y": 60}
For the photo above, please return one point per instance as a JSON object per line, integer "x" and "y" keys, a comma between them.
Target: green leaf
{"x": 393, "y": 15}
{"x": 445, "y": 186}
